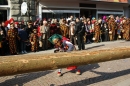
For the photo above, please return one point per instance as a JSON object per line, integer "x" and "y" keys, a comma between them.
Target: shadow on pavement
{"x": 83, "y": 68}
{"x": 103, "y": 76}
{"x": 88, "y": 67}
{"x": 20, "y": 80}
{"x": 94, "y": 46}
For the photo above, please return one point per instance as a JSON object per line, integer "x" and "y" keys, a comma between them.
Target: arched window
{"x": 3, "y": 2}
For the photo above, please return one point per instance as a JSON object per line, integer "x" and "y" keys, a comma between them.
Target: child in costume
{"x": 63, "y": 44}
{"x": 34, "y": 41}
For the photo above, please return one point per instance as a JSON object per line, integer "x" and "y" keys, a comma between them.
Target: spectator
{"x": 71, "y": 33}
{"x": 45, "y": 31}
{"x": 2, "y": 43}
{"x": 88, "y": 31}
{"x": 105, "y": 32}
{"x": 23, "y": 39}
{"x": 80, "y": 32}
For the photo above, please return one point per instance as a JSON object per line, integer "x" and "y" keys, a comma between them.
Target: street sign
{"x": 24, "y": 8}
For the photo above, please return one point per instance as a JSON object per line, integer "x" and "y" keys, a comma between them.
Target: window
{"x": 3, "y": 15}
{"x": 3, "y": 2}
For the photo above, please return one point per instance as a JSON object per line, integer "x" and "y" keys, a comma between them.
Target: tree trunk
{"x": 10, "y": 65}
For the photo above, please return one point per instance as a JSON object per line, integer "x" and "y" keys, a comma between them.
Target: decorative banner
{"x": 119, "y": 1}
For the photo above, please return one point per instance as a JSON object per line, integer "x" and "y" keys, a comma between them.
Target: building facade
{"x": 88, "y": 8}
{"x": 12, "y": 9}
{"x": 4, "y": 10}
{"x": 62, "y": 8}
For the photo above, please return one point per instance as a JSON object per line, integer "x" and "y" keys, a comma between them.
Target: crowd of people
{"x": 18, "y": 38}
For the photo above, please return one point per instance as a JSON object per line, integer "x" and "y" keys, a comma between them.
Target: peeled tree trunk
{"x": 11, "y": 65}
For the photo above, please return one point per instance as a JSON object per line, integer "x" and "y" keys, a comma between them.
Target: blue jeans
{"x": 23, "y": 46}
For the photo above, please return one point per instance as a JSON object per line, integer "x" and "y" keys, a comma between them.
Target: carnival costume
{"x": 63, "y": 44}
{"x": 34, "y": 41}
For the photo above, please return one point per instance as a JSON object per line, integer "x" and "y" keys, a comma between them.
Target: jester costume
{"x": 97, "y": 32}
{"x": 34, "y": 41}
{"x": 64, "y": 30}
{"x": 53, "y": 29}
{"x": 124, "y": 27}
{"x": 112, "y": 27}
{"x": 12, "y": 36}
{"x": 127, "y": 30}
{"x": 63, "y": 45}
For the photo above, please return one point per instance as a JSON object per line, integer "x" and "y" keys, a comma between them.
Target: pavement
{"x": 110, "y": 73}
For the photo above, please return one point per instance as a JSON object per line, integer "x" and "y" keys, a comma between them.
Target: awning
{"x": 61, "y": 11}
{"x": 109, "y": 12}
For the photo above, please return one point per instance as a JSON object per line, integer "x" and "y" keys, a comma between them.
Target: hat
{"x": 10, "y": 20}
{"x": 54, "y": 37}
{"x": 16, "y": 23}
{"x": 6, "y": 23}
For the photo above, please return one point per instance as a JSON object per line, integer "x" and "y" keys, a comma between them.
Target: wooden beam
{"x": 11, "y": 65}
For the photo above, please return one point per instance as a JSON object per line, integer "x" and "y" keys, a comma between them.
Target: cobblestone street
{"x": 111, "y": 73}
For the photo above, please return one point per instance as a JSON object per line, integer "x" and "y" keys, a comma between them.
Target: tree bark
{"x": 11, "y": 65}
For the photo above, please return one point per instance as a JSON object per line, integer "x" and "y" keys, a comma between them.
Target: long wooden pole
{"x": 11, "y": 65}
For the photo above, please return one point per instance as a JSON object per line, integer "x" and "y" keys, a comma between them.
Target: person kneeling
{"x": 62, "y": 44}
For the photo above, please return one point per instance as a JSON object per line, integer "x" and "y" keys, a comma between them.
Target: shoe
{"x": 59, "y": 74}
{"x": 78, "y": 72}
{"x": 25, "y": 52}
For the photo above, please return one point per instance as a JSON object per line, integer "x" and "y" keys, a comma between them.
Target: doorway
{"x": 88, "y": 13}
{"x": 3, "y": 15}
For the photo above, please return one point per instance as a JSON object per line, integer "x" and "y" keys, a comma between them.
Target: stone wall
{"x": 16, "y": 10}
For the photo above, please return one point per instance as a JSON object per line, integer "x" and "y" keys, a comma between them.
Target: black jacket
{"x": 4, "y": 31}
{"x": 79, "y": 29}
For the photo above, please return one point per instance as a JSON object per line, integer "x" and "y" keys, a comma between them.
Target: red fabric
{"x": 64, "y": 38}
{"x": 16, "y": 23}
{"x": 6, "y": 23}
{"x": 38, "y": 29}
{"x": 53, "y": 29}
{"x": 71, "y": 67}
{"x": 10, "y": 20}
{"x": 93, "y": 21}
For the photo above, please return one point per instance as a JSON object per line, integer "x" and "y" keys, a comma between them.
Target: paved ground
{"x": 111, "y": 73}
